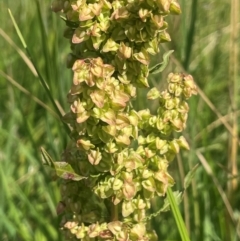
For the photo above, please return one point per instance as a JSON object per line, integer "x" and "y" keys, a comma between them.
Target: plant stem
{"x": 233, "y": 89}
{"x": 114, "y": 212}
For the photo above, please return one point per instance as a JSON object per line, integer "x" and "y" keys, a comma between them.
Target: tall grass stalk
{"x": 43, "y": 82}
{"x": 234, "y": 95}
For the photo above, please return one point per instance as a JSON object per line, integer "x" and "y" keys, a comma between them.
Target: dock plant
{"x": 118, "y": 158}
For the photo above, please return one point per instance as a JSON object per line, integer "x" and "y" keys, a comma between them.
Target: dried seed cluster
{"x": 123, "y": 153}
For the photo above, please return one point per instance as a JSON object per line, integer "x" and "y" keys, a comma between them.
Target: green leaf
{"x": 62, "y": 169}
{"x": 46, "y": 158}
{"x": 153, "y": 94}
{"x": 17, "y": 29}
{"x": 65, "y": 171}
{"x": 161, "y": 66}
{"x": 189, "y": 176}
{"x": 177, "y": 216}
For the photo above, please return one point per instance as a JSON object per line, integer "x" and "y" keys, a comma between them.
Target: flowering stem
{"x": 122, "y": 152}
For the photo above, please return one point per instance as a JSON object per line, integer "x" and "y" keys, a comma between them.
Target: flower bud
{"x": 127, "y": 208}
{"x": 122, "y": 236}
{"x": 84, "y": 144}
{"x": 149, "y": 184}
{"x": 143, "y": 14}
{"x": 124, "y": 51}
{"x": 111, "y": 147}
{"x": 81, "y": 232}
{"x": 146, "y": 174}
{"x": 183, "y": 143}
{"x": 142, "y": 57}
{"x": 149, "y": 153}
{"x": 115, "y": 227}
{"x": 138, "y": 231}
{"x": 175, "y": 7}
{"x": 70, "y": 225}
{"x": 139, "y": 203}
{"x": 94, "y": 157}
{"x": 153, "y": 94}
{"x": 129, "y": 190}
{"x": 94, "y": 230}
{"x": 120, "y": 13}
{"x": 139, "y": 215}
{"x": 174, "y": 146}
{"x": 164, "y": 37}
{"x": 110, "y": 45}
{"x": 160, "y": 143}
{"x": 169, "y": 104}
{"x": 117, "y": 184}
{"x": 158, "y": 21}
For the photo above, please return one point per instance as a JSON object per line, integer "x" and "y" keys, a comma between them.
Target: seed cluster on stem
{"x": 123, "y": 154}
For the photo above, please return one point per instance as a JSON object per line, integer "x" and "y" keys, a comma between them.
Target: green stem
{"x": 114, "y": 212}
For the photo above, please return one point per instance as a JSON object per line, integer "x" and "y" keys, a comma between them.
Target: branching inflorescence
{"x": 121, "y": 154}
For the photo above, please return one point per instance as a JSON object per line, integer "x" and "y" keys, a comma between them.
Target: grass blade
{"x": 44, "y": 84}
{"x": 177, "y": 216}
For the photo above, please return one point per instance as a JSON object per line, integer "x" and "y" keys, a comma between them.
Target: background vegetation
{"x": 205, "y": 39}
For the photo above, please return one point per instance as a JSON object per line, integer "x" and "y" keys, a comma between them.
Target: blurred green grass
{"x": 200, "y": 38}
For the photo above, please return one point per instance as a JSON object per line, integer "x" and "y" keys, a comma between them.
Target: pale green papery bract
{"x": 123, "y": 154}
